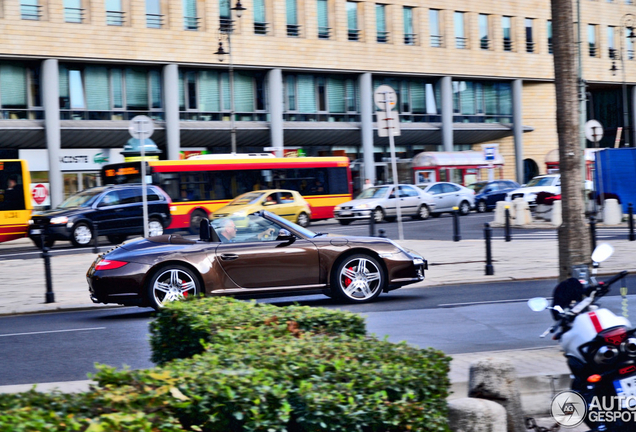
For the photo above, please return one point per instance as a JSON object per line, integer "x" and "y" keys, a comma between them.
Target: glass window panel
{"x": 259, "y": 11}
{"x": 322, "y": 93}
{"x": 290, "y": 90}
{"x": 13, "y": 86}
{"x": 191, "y": 89}
{"x": 479, "y": 98}
{"x": 224, "y": 8}
{"x": 63, "y": 77}
{"x": 352, "y": 15}
{"x": 408, "y": 20}
{"x": 136, "y": 89}
{"x": 350, "y": 89}
{"x": 610, "y": 37}
{"x": 404, "y": 96}
{"x": 292, "y": 12}
{"x": 209, "y": 91}
{"x": 418, "y": 97}
{"x": 73, "y": 11}
{"x": 323, "y": 19}
{"x": 190, "y": 17}
{"x": 76, "y": 89}
{"x": 97, "y": 88}
{"x": 34, "y": 82}
{"x": 380, "y": 20}
{"x": 182, "y": 104}
{"x": 225, "y": 88}
{"x": 459, "y": 24}
{"x": 243, "y": 92}
{"x": 153, "y": 13}
{"x": 117, "y": 76}
{"x": 336, "y": 95}
{"x": 433, "y": 16}
{"x": 155, "y": 88}
{"x": 490, "y": 98}
{"x": 468, "y": 98}
{"x": 505, "y": 98}
{"x": 29, "y": 10}
{"x": 306, "y": 94}
{"x": 431, "y": 103}
{"x": 483, "y": 27}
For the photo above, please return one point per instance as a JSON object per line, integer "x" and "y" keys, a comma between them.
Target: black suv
{"x": 115, "y": 211}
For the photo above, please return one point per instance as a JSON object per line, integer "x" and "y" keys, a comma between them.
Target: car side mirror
{"x": 285, "y": 235}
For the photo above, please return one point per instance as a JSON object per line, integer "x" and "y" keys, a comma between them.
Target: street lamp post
{"x": 627, "y": 23}
{"x": 225, "y": 32}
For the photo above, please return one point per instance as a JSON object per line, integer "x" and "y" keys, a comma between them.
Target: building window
{"x": 30, "y": 10}
{"x": 434, "y": 26}
{"x": 506, "y": 25}
{"x": 591, "y": 40}
{"x": 190, "y": 17}
{"x": 418, "y": 100}
{"x": 225, "y": 16}
{"x": 409, "y": 31}
{"x": 529, "y": 36}
{"x": 549, "y": 36}
{"x": 115, "y": 15}
{"x": 382, "y": 35}
{"x": 482, "y": 102}
{"x": 154, "y": 17}
{"x": 611, "y": 44}
{"x": 484, "y": 32}
{"x": 20, "y": 96}
{"x": 353, "y": 33}
{"x": 323, "y": 19}
{"x": 293, "y": 28}
{"x": 73, "y": 11}
{"x": 460, "y": 30}
{"x": 260, "y": 19}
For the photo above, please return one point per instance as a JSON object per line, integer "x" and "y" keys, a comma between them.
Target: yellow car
{"x": 285, "y": 203}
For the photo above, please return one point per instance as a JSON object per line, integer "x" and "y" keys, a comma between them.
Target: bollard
{"x": 488, "y": 235}
{"x": 630, "y": 221}
{"x": 371, "y": 225}
{"x": 95, "y": 239}
{"x": 507, "y": 226}
{"x": 593, "y": 232}
{"x": 50, "y": 296}
{"x": 382, "y": 233}
{"x": 456, "y": 235}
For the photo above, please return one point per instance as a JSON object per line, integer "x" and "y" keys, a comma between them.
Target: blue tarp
{"x": 616, "y": 173}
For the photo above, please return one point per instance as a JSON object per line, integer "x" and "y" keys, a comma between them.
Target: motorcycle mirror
{"x": 538, "y": 304}
{"x": 602, "y": 252}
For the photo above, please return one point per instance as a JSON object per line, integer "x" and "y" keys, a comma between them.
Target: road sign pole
{"x": 390, "y": 126}
{"x": 144, "y": 198}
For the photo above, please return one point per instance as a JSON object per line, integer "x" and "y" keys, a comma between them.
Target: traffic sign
{"x": 384, "y": 124}
{"x": 141, "y": 127}
{"x": 40, "y": 194}
{"x": 593, "y": 131}
{"x": 383, "y": 94}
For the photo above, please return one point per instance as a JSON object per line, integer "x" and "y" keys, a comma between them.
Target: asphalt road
{"x": 65, "y": 346}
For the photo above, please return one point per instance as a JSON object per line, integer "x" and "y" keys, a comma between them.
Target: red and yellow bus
{"x": 204, "y": 183}
{"x": 15, "y": 199}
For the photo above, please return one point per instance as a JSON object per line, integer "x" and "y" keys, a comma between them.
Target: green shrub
{"x": 181, "y": 329}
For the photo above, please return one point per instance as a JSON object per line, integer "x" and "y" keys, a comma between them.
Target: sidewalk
{"x": 541, "y": 372}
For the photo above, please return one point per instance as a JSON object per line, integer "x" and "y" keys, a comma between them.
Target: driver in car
{"x": 228, "y": 233}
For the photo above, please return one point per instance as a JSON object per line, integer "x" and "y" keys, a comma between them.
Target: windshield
{"x": 304, "y": 231}
{"x": 374, "y": 192}
{"x": 476, "y": 186}
{"x": 248, "y": 198}
{"x": 82, "y": 199}
{"x": 541, "y": 181}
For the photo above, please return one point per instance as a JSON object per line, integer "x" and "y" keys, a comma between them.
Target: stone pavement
{"x": 541, "y": 372}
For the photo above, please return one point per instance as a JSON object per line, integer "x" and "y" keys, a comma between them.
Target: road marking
{"x": 483, "y": 302}
{"x": 53, "y": 331}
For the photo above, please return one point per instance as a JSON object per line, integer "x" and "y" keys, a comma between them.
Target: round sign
{"x": 141, "y": 127}
{"x": 383, "y": 94}
{"x": 39, "y": 193}
{"x": 593, "y": 131}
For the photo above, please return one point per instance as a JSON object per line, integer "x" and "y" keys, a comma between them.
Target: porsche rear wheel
{"x": 358, "y": 278}
{"x": 170, "y": 283}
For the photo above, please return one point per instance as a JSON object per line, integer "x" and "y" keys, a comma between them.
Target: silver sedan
{"x": 449, "y": 196}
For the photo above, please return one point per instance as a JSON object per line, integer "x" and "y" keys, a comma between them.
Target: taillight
{"x": 109, "y": 265}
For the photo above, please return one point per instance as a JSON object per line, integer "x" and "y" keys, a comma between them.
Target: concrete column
{"x": 517, "y": 127}
{"x": 171, "y": 108}
{"x": 275, "y": 83}
{"x": 366, "y": 125}
{"x": 447, "y": 113}
{"x": 51, "y": 102}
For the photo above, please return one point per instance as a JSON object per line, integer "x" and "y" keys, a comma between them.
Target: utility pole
{"x": 574, "y": 240}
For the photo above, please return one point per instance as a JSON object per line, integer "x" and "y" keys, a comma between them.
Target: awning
{"x": 461, "y": 158}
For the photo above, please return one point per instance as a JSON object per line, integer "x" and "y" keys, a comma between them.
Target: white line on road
{"x": 53, "y": 331}
{"x": 482, "y": 302}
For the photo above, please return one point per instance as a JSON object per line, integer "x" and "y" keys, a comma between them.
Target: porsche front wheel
{"x": 358, "y": 278}
{"x": 170, "y": 283}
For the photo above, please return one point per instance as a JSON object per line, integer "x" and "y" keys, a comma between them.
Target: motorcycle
{"x": 600, "y": 348}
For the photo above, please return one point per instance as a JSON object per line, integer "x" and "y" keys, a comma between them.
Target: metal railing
{"x": 324, "y": 32}
{"x": 382, "y": 36}
{"x": 507, "y": 45}
{"x": 409, "y": 38}
{"x": 529, "y": 46}
{"x": 460, "y": 42}
{"x": 115, "y": 18}
{"x": 30, "y": 12}
{"x": 260, "y": 28}
{"x": 73, "y": 15}
{"x": 154, "y": 20}
{"x": 191, "y": 23}
{"x": 593, "y": 50}
{"x": 436, "y": 41}
{"x": 484, "y": 43}
{"x": 293, "y": 30}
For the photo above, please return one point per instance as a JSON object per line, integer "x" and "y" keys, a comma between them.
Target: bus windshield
{"x": 248, "y": 198}
{"x": 83, "y": 199}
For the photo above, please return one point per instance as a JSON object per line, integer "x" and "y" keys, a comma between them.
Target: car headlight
{"x": 362, "y": 206}
{"x": 59, "y": 220}
{"x": 531, "y": 197}
{"x": 337, "y": 208}
{"x": 31, "y": 222}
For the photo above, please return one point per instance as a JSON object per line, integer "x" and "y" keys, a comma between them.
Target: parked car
{"x": 544, "y": 183}
{"x": 448, "y": 195}
{"x": 153, "y": 271}
{"x": 381, "y": 203}
{"x": 285, "y": 203}
{"x": 488, "y": 193}
{"x": 115, "y": 211}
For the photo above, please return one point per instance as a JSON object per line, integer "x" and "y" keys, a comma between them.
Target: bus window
{"x": 11, "y": 187}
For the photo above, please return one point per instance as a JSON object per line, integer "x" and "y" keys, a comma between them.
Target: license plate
{"x": 346, "y": 213}
{"x": 626, "y": 387}
{"x": 35, "y": 231}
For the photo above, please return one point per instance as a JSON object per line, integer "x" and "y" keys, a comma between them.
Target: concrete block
{"x": 522, "y": 212}
{"x": 476, "y": 415}
{"x": 500, "y": 212}
{"x": 496, "y": 380}
{"x": 612, "y": 212}
{"x": 557, "y": 213}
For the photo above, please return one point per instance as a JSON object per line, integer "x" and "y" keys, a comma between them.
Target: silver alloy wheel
{"x": 464, "y": 208}
{"x": 378, "y": 215}
{"x": 82, "y": 234}
{"x": 173, "y": 284}
{"x": 481, "y": 206}
{"x": 303, "y": 220}
{"x": 423, "y": 212}
{"x": 154, "y": 228}
{"x": 360, "y": 279}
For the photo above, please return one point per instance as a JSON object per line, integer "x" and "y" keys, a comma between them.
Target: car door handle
{"x": 119, "y": 209}
{"x": 229, "y": 257}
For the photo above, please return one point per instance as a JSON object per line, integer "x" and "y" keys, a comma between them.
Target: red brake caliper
{"x": 185, "y": 293}
{"x": 347, "y": 281}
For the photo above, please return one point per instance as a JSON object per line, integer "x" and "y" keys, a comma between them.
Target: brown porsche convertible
{"x": 270, "y": 255}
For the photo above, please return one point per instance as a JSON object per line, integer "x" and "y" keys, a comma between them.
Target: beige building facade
{"x": 302, "y": 74}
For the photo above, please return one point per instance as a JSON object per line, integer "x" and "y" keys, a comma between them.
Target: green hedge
{"x": 181, "y": 329}
{"x": 255, "y": 372}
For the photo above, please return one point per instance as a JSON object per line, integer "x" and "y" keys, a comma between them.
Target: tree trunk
{"x": 574, "y": 241}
